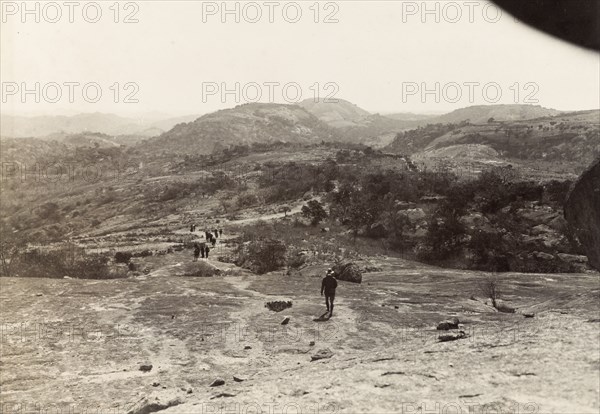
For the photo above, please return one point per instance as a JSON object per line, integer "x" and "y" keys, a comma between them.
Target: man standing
{"x": 197, "y": 252}
{"x": 328, "y": 286}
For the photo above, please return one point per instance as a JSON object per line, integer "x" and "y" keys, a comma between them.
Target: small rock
{"x": 285, "y": 320}
{"x": 247, "y": 347}
{"x": 146, "y": 367}
{"x": 155, "y": 384}
{"x": 528, "y": 314}
{"x": 452, "y": 336}
{"x": 217, "y": 383}
{"x": 312, "y": 343}
{"x": 237, "y": 379}
{"x": 322, "y": 354}
{"x": 189, "y": 391}
{"x": 396, "y": 307}
{"x": 222, "y": 395}
{"x": 448, "y": 324}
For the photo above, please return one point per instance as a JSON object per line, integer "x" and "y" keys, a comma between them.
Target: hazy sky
{"x": 379, "y": 55}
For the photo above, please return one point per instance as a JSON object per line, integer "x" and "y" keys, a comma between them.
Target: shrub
{"x": 262, "y": 255}
{"x": 314, "y": 211}
{"x": 123, "y": 257}
{"x": 68, "y": 261}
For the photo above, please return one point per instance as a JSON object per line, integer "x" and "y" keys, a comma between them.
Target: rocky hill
{"x": 338, "y": 114}
{"x": 565, "y": 137}
{"x": 244, "y": 125}
{"x": 482, "y": 113}
{"x": 109, "y": 124}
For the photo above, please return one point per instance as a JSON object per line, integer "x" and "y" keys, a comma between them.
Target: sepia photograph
{"x": 300, "y": 207}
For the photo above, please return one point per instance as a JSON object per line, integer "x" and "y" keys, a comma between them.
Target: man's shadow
{"x": 323, "y": 318}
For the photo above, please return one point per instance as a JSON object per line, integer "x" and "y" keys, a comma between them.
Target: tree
{"x": 285, "y": 210}
{"x": 490, "y": 288}
{"x": 314, "y": 211}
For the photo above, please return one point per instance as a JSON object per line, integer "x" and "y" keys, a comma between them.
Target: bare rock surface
{"x": 85, "y": 350}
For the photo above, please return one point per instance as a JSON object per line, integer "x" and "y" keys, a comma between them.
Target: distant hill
{"x": 243, "y": 125}
{"x": 340, "y": 114}
{"x": 109, "y": 124}
{"x": 359, "y": 126}
{"x": 482, "y": 113}
{"x": 564, "y": 137}
{"x": 409, "y": 116}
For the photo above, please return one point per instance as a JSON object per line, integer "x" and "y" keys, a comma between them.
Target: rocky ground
{"x": 166, "y": 341}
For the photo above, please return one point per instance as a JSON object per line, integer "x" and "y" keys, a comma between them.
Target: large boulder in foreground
{"x": 349, "y": 272}
{"x": 582, "y": 212}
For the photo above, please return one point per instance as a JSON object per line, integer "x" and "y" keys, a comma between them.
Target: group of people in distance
{"x": 202, "y": 248}
{"x": 328, "y": 284}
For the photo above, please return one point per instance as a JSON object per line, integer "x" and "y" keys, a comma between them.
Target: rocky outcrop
{"x": 349, "y": 272}
{"x": 582, "y": 212}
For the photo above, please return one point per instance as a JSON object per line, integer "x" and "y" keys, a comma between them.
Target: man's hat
{"x": 330, "y": 271}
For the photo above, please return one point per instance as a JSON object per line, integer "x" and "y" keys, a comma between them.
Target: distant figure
{"x": 197, "y": 252}
{"x": 328, "y": 286}
{"x": 214, "y": 241}
{"x": 206, "y": 233}
{"x": 202, "y": 249}
{"x": 216, "y": 233}
{"x": 221, "y": 232}
{"x": 191, "y": 228}
{"x": 206, "y": 250}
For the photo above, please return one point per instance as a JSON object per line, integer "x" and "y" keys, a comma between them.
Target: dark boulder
{"x": 349, "y": 272}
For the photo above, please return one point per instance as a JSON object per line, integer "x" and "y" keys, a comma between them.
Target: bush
{"x": 123, "y": 257}
{"x": 262, "y": 255}
{"x": 314, "y": 211}
{"x": 67, "y": 261}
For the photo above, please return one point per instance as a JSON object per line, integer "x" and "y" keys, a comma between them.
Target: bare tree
{"x": 490, "y": 288}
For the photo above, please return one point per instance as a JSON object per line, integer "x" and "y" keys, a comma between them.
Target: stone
{"x": 279, "y": 305}
{"x": 528, "y": 314}
{"x": 247, "y": 347}
{"x": 452, "y": 336}
{"x": 285, "y": 320}
{"x": 349, "y": 272}
{"x": 237, "y": 379}
{"x": 448, "y": 324}
{"x": 217, "y": 383}
{"x": 322, "y": 354}
{"x": 146, "y": 367}
{"x": 152, "y": 404}
{"x": 325, "y": 230}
